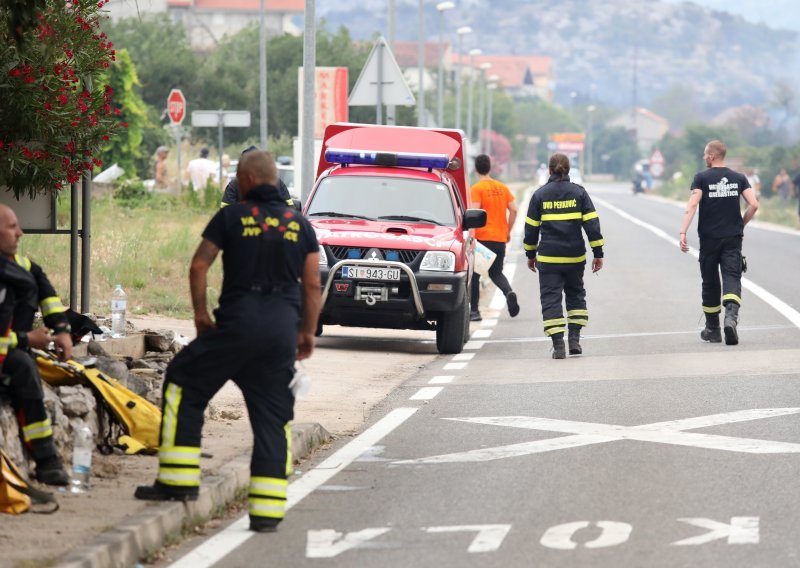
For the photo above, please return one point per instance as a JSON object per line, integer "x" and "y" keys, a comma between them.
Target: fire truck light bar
{"x": 404, "y": 159}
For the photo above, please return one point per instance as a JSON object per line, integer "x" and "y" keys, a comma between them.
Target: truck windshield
{"x": 373, "y": 197}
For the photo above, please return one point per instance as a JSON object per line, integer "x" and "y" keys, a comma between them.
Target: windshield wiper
{"x": 410, "y": 218}
{"x": 337, "y": 214}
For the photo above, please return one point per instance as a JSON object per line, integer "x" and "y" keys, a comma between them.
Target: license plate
{"x": 370, "y": 273}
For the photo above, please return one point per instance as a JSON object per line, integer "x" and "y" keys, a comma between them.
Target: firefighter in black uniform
{"x": 554, "y": 243}
{"x": 266, "y": 320}
{"x": 25, "y": 288}
{"x": 232, "y": 195}
{"x": 718, "y": 191}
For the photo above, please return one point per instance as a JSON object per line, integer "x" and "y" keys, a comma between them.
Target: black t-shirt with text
{"x": 720, "y": 213}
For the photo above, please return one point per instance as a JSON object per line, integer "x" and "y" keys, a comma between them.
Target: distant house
{"x": 407, "y": 55}
{"x": 207, "y": 21}
{"x": 649, "y": 128}
{"x": 520, "y": 75}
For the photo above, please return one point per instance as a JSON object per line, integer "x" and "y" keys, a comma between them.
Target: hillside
{"x": 724, "y": 59}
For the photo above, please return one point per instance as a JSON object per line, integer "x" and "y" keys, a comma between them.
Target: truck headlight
{"x": 323, "y": 256}
{"x": 439, "y": 260}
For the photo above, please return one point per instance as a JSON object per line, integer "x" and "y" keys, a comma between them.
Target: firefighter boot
{"x": 559, "y": 349}
{"x": 50, "y": 471}
{"x": 575, "y": 342}
{"x": 731, "y": 319}
{"x": 162, "y": 492}
{"x": 712, "y": 333}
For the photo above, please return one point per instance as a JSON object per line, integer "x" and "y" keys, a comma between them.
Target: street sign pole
{"x": 176, "y": 110}
{"x": 219, "y": 142}
{"x": 379, "y": 105}
{"x": 178, "y": 154}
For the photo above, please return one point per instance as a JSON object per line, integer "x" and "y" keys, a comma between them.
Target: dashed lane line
{"x": 441, "y": 380}
{"x": 474, "y": 345}
{"x": 426, "y": 393}
{"x": 481, "y": 334}
{"x": 463, "y": 357}
{"x": 455, "y": 366}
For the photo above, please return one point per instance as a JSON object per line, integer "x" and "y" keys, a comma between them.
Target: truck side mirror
{"x": 474, "y": 219}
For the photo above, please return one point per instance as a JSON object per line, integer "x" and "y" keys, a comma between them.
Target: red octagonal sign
{"x": 176, "y": 106}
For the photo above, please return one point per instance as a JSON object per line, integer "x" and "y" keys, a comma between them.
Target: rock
{"x": 230, "y": 415}
{"x": 76, "y": 401}
{"x": 136, "y": 383}
{"x": 114, "y": 368}
{"x": 159, "y": 341}
{"x": 142, "y": 364}
{"x": 94, "y": 348}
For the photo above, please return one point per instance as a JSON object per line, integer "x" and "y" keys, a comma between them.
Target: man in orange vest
{"x": 501, "y": 211}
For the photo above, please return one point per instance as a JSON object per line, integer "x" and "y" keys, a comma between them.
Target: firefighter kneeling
{"x": 270, "y": 290}
{"x": 554, "y": 243}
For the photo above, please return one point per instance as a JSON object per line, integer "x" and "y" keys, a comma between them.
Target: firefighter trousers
{"x": 721, "y": 256}
{"x": 24, "y": 388}
{"x": 566, "y": 286}
{"x": 254, "y": 344}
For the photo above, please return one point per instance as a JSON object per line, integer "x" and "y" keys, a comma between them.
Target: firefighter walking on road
{"x": 558, "y": 214}
{"x": 266, "y": 319}
{"x": 717, "y": 191}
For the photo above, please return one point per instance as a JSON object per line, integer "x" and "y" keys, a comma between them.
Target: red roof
{"x": 407, "y": 55}
{"x": 240, "y": 5}
{"x": 512, "y": 69}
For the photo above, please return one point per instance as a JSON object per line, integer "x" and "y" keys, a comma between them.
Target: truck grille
{"x": 355, "y": 253}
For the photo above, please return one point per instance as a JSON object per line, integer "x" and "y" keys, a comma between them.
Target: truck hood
{"x": 380, "y": 234}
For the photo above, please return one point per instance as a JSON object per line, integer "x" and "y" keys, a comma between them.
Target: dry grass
{"x": 147, "y": 249}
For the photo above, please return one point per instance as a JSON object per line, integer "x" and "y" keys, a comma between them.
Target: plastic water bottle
{"x": 83, "y": 444}
{"x": 119, "y": 305}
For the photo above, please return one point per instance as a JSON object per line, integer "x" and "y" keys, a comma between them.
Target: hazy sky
{"x": 783, "y": 14}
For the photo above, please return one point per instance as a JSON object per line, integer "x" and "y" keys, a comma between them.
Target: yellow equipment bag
{"x": 133, "y": 421}
{"x": 16, "y": 496}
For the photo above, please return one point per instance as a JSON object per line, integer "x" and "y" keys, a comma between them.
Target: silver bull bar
{"x": 373, "y": 264}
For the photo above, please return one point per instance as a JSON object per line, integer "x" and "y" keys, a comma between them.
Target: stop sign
{"x": 176, "y": 106}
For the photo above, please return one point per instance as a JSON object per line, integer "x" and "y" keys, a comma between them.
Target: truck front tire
{"x": 451, "y": 330}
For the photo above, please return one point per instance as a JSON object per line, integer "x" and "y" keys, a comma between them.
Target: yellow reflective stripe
{"x": 561, "y": 216}
{"x": 51, "y": 305}
{"x": 597, "y": 243}
{"x": 733, "y": 297}
{"x": 37, "y": 430}
{"x": 557, "y": 321}
{"x": 582, "y": 322}
{"x": 23, "y": 261}
{"x": 561, "y": 259}
{"x": 712, "y": 309}
{"x": 578, "y": 313}
{"x": 588, "y": 216}
{"x": 290, "y": 202}
{"x": 529, "y": 247}
{"x": 272, "y": 508}
{"x": 223, "y": 204}
{"x": 554, "y": 330}
{"x": 11, "y": 341}
{"x": 268, "y": 490}
{"x": 184, "y": 476}
{"x": 169, "y": 422}
{"x": 287, "y": 429}
{"x": 533, "y": 222}
{"x": 179, "y": 455}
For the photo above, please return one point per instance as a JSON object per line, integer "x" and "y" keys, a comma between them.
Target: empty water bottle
{"x": 83, "y": 444}
{"x": 119, "y": 305}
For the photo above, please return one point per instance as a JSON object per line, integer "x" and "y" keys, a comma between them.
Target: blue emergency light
{"x": 403, "y": 159}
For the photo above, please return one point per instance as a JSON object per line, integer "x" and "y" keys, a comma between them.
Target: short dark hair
{"x": 483, "y": 164}
{"x": 204, "y": 152}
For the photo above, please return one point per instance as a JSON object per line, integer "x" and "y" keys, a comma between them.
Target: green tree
{"x": 127, "y": 147}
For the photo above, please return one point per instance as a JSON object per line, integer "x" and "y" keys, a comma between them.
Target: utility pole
{"x": 421, "y": 64}
{"x": 461, "y": 32}
{"x": 472, "y": 54}
{"x": 442, "y": 7}
{"x": 309, "y": 93}
{"x": 263, "y": 74}
{"x": 390, "y": 109}
{"x": 491, "y": 87}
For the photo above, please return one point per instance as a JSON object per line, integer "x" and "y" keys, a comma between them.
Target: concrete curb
{"x": 148, "y": 531}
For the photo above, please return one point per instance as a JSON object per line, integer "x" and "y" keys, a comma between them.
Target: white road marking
{"x": 488, "y": 539}
{"x": 588, "y": 433}
{"x": 329, "y": 543}
{"x": 455, "y": 366}
{"x": 441, "y": 380}
{"x": 426, "y": 393}
{"x": 741, "y": 530}
{"x": 779, "y": 305}
{"x": 216, "y": 548}
{"x": 470, "y": 345}
{"x": 481, "y": 333}
{"x": 491, "y": 322}
{"x": 499, "y": 300}
{"x": 559, "y": 537}
{"x": 463, "y": 357}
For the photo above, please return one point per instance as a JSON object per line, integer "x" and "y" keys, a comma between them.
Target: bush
{"x": 131, "y": 192}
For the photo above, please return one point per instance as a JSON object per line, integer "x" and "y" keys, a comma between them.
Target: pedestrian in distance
{"x": 796, "y": 191}
{"x": 717, "y": 192}
{"x": 497, "y": 200}
{"x": 201, "y": 169}
{"x": 160, "y": 168}
{"x": 267, "y": 316}
{"x": 782, "y": 185}
{"x": 24, "y": 289}
{"x": 558, "y": 214}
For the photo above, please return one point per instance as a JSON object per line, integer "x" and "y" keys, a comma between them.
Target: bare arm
{"x": 311, "y": 307}
{"x": 202, "y": 260}
{"x": 512, "y": 216}
{"x": 691, "y": 209}
{"x": 752, "y": 205}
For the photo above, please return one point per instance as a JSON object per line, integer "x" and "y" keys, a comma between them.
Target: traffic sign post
{"x": 657, "y": 163}
{"x": 176, "y": 110}
{"x": 220, "y": 119}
